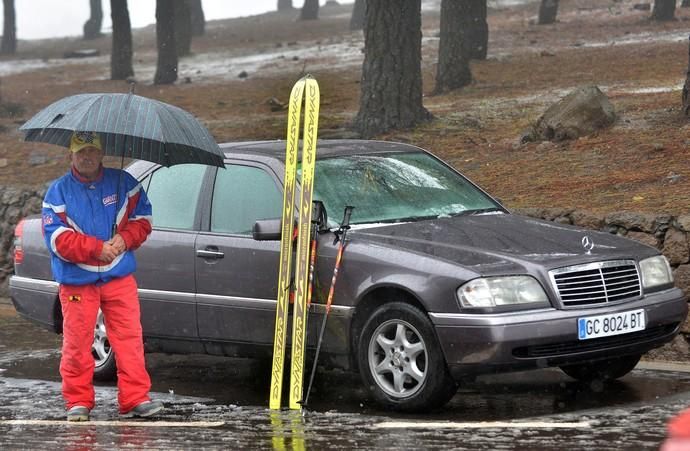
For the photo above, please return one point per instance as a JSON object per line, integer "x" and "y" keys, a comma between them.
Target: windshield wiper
{"x": 478, "y": 211}
{"x": 399, "y": 220}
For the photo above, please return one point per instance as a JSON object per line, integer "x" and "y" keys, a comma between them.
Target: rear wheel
{"x": 103, "y": 355}
{"x": 400, "y": 360}
{"x": 605, "y": 370}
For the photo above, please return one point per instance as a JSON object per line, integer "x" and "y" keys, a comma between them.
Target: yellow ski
{"x": 285, "y": 273}
{"x": 301, "y": 307}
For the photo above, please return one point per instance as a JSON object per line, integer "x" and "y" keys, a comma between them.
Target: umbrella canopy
{"x": 130, "y": 126}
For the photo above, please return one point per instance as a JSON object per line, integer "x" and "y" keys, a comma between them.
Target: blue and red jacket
{"x": 78, "y": 217}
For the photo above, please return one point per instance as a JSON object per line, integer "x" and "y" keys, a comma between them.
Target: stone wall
{"x": 14, "y": 204}
{"x": 667, "y": 233}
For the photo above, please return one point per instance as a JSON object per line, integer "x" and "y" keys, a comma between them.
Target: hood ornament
{"x": 588, "y": 244}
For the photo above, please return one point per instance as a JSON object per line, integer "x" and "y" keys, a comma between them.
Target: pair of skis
{"x": 306, "y": 91}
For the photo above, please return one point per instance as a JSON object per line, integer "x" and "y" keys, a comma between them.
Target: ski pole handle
{"x": 346, "y": 217}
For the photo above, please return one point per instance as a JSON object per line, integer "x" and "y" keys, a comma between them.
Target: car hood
{"x": 495, "y": 243}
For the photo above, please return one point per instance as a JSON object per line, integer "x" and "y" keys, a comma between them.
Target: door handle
{"x": 209, "y": 253}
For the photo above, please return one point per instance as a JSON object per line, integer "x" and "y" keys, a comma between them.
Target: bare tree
{"x": 357, "y": 19}
{"x": 284, "y": 5}
{"x": 548, "y": 10}
{"x": 391, "y": 94}
{"x": 664, "y": 10}
{"x": 92, "y": 27}
{"x": 453, "y": 70}
{"x": 198, "y": 18}
{"x": 477, "y": 28}
{"x": 166, "y": 70}
{"x": 121, "y": 55}
{"x": 9, "y": 30}
{"x": 686, "y": 89}
{"x": 310, "y": 10}
{"x": 183, "y": 27}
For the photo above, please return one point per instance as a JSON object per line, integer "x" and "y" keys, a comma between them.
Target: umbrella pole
{"x": 113, "y": 231}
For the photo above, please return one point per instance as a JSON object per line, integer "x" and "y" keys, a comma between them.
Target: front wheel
{"x": 103, "y": 355}
{"x": 400, "y": 360}
{"x": 605, "y": 370}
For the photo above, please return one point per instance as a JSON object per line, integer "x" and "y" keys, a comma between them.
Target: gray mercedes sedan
{"x": 438, "y": 281}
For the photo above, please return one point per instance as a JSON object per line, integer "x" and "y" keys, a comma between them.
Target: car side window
{"x": 174, "y": 193}
{"x": 241, "y": 196}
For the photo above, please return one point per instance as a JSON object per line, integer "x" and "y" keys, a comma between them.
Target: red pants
{"x": 119, "y": 301}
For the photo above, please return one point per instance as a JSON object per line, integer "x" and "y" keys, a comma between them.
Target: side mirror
{"x": 267, "y": 230}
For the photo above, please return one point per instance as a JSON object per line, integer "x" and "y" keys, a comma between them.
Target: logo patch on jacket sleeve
{"x": 74, "y": 298}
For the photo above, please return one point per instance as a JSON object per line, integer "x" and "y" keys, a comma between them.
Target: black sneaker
{"x": 78, "y": 413}
{"x": 145, "y": 409}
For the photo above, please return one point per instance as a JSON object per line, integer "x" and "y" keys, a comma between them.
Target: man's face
{"x": 87, "y": 161}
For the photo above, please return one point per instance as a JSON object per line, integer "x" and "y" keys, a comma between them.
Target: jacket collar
{"x": 81, "y": 179}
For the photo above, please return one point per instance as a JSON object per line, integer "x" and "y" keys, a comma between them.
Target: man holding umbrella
{"x": 93, "y": 220}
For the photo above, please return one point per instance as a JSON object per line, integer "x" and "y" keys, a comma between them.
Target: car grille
{"x": 596, "y": 283}
{"x": 596, "y": 344}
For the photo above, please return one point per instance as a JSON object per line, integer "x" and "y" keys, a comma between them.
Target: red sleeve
{"x": 135, "y": 233}
{"x": 77, "y": 247}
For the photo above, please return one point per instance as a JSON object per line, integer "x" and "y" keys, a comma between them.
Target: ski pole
{"x": 317, "y": 219}
{"x": 341, "y": 234}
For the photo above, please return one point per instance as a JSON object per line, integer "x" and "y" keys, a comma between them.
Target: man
{"x": 93, "y": 218}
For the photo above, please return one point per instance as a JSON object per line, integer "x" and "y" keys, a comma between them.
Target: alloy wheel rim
{"x": 101, "y": 346}
{"x": 398, "y": 358}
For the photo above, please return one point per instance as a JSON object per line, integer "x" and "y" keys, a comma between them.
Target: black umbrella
{"x": 130, "y": 126}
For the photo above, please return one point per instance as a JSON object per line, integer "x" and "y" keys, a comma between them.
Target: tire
{"x": 605, "y": 370}
{"x": 401, "y": 362}
{"x": 103, "y": 355}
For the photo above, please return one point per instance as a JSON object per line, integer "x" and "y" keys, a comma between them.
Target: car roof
{"x": 325, "y": 148}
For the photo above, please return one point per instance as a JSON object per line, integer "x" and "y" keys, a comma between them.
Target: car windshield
{"x": 395, "y": 187}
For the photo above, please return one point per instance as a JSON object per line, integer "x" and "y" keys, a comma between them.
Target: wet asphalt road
{"x": 222, "y": 403}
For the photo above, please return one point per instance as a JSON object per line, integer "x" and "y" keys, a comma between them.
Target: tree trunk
{"x": 686, "y": 89}
{"x": 284, "y": 5}
{"x": 310, "y": 10}
{"x": 9, "y": 30}
{"x": 453, "y": 70}
{"x": 477, "y": 29}
{"x": 664, "y": 10}
{"x": 92, "y": 27}
{"x": 357, "y": 19}
{"x": 548, "y": 10}
{"x": 166, "y": 70}
{"x": 198, "y": 18}
{"x": 685, "y": 4}
{"x": 183, "y": 27}
{"x": 121, "y": 55}
{"x": 391, "y": 94}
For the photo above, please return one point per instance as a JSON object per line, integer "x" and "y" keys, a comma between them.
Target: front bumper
{"x": 481, "y": 343}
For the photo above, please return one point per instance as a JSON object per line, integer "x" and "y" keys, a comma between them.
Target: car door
{"x": 237, "y": 276}
{"x": 165, "y": 263}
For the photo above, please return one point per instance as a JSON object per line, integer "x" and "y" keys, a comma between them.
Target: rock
{"x": 589, "y": 221}
{"x": 676, "y": 247}
{"x": 243, "y": 74}
{"x": 580, "y": 113}
{"x": 642, "y": 222}
{"x": 275, "y": 104}
{"x": 683, "y": 222}
{"x": 644, "y": 238}
{"x": 83, "y": 53}
{"x": 3, "y": 162}
{"x": 642, "y": 7}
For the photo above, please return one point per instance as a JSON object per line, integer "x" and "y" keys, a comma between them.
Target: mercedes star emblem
{"x": 588, "y": 244}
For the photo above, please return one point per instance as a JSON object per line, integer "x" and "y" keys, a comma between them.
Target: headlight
{"x": 655, "y": 271}
{"x": 497, "y": 291}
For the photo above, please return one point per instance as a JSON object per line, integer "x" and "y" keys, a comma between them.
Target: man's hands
{"x": 112, "y": 248}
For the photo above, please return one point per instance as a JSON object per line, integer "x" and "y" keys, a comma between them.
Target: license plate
{"x": 612, "y": 324}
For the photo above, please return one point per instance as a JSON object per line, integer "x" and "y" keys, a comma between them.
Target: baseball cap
{"x": 80, "y": 140}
